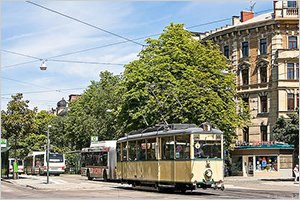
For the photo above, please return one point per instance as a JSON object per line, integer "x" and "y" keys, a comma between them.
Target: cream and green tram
{"x": 179, "y": 156}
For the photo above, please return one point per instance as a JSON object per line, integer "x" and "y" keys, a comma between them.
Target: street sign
{"x": 94, "y": 139}
{"x": 3, "y": 143}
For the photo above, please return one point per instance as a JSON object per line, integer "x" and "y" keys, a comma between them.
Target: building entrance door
{"x": 250, "y": 166}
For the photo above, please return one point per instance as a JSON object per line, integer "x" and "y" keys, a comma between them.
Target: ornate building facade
{"x": 263, "y": 53}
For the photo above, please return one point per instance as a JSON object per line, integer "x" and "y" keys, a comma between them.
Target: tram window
{"x": 118, "y": 152}
{"x": 207, "y": 149}
{"x": 151, "y": 146}
{"x": 132, "y": 151}
{"x": 141, "y": 150}
{"x": 182, "y": 147}
{"x": 124, "y": 152}
{"x": 167, "y": 144}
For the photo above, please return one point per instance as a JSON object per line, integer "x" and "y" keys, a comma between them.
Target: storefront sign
{"x": 94, "y": 139}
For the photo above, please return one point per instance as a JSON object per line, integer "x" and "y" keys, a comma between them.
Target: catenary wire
{"x": 122, "y": 42}
{"x": 45, "y": 91}
{"x": 86, "y": 23}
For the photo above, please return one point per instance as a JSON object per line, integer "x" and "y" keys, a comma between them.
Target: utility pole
{"x": 48, "y": 153}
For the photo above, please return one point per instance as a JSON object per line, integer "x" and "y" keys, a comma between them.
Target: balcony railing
{"x": 292, "y": 11}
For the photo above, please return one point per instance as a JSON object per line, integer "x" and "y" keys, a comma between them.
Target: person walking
{"x": 296, "y": 172}
{"x": 15, "y": 169}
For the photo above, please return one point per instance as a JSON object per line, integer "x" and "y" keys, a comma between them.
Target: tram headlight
{"x": 208, "y": 174}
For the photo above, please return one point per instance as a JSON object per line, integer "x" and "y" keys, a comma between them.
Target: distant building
{"x": 263, "y": 53}
{"x": 61, "y": 108}
{"x": 74, "y": 97}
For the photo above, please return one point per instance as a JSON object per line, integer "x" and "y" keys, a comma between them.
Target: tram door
{"x": 166, "y": 165}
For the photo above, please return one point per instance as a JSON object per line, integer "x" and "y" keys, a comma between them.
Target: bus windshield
{"x": 207, "y": 149}
{"x": 55, "y": 157}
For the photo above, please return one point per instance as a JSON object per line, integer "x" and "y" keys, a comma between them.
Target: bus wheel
{"x": 89, "y": 176}
{"x": 105, "y": 176}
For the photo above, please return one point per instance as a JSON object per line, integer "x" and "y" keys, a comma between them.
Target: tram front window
{"x": 207, "y": 149}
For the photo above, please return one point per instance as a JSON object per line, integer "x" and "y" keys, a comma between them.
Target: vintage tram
{"x": 179, "y": 156}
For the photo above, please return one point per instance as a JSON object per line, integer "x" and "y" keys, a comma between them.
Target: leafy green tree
{"x": 17, "y": 123}
{"x": 24, "y": 128}
{"x": 178, "y": 79}
{"x": 93, "y": 114}
{"x": 287, "y": 130}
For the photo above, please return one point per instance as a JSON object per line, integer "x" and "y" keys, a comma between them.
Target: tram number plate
{"x": 54, "y": 168}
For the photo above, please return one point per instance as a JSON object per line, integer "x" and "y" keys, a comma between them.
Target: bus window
{"x": 151, "y": 146}
{"x": 167, "y": 144}
{"x": 124, "y": 151}
{"x": 55, "y": 157}
{"x": 39, "y": 160}
{"x": 131, "y": 151}
{"x": 141, "y": 150}
{"x": 182, "y": 150}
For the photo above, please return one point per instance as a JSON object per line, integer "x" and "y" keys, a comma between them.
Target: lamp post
{"x": 48, "y": 154}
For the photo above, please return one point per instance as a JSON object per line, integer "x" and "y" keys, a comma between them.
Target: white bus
{"x": 99, "y": 160}
{"x": 36, "y": 163}
{"x": 20, "y": 165}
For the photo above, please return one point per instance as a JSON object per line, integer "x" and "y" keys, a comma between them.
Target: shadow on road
{"x": 165, "y": 191}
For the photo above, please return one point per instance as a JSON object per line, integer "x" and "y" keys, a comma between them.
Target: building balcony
{"x": 287, "y": 53}
{"x": 286, "y": 13}
{"x": 291, "y": 12}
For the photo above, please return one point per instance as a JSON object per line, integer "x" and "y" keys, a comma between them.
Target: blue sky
{"x": 30, "y": 30}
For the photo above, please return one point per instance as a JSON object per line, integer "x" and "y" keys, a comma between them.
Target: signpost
{"x": 3, "y": 143}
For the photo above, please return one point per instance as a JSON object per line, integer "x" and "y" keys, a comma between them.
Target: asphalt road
{"x": 102, "y": 190}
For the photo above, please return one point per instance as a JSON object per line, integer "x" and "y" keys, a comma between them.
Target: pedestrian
{"x": 15, "y": 169}
{"x": 296, "y": 172}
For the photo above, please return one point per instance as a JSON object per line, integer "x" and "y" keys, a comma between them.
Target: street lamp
{"x": 48, "y": 154}
{"x": 43, "y": 66}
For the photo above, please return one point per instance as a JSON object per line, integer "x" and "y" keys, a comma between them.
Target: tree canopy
{"x": 287, "y": 130}
{"x": 178, "y": 79}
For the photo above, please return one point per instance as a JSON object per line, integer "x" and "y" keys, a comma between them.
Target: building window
{"x": 292, "y": 4}
{"x": 290, "y": 71}
{"x": 245, "y": 76}
{"x": 297, "y": 71}
{"x": 263, "y": 74}
{"x": 292, "y": 42}
{"x": 245, "y": 49}
{"x": 266, "y": 163}
{"x": 246, "y": 134}
{"x": 264, "y": 133}
{"x": 226, "y": 51}
{"x": 263, "y": 46}
{"x": 297, "y": 101}
{"x": 263, "y": 104}
{"x": 290, "y": 101}
{"x": 246, "y": 100}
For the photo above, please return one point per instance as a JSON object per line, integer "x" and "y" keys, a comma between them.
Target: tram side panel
{"x": 183, "y": 171}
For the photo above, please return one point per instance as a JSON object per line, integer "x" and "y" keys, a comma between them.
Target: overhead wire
{"x": 122, "y": 42}
{"x": 45, "y": 91}
{"x": 83, "y": 22}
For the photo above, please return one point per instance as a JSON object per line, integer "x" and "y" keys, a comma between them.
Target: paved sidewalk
{"x": 57, "y": 183}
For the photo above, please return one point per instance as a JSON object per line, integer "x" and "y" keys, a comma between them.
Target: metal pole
{"x": 48, "y": 144}
{"x": 298, "y": 77}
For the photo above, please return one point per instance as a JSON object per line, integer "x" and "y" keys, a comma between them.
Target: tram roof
{"x": 171, "y": 129}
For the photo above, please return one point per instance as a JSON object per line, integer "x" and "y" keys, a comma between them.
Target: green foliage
{"x": 24, "y": 128}
{"x": 177, "y": 67}
{"x": 89, "y": 116}
{"x": 287, "y": 130}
